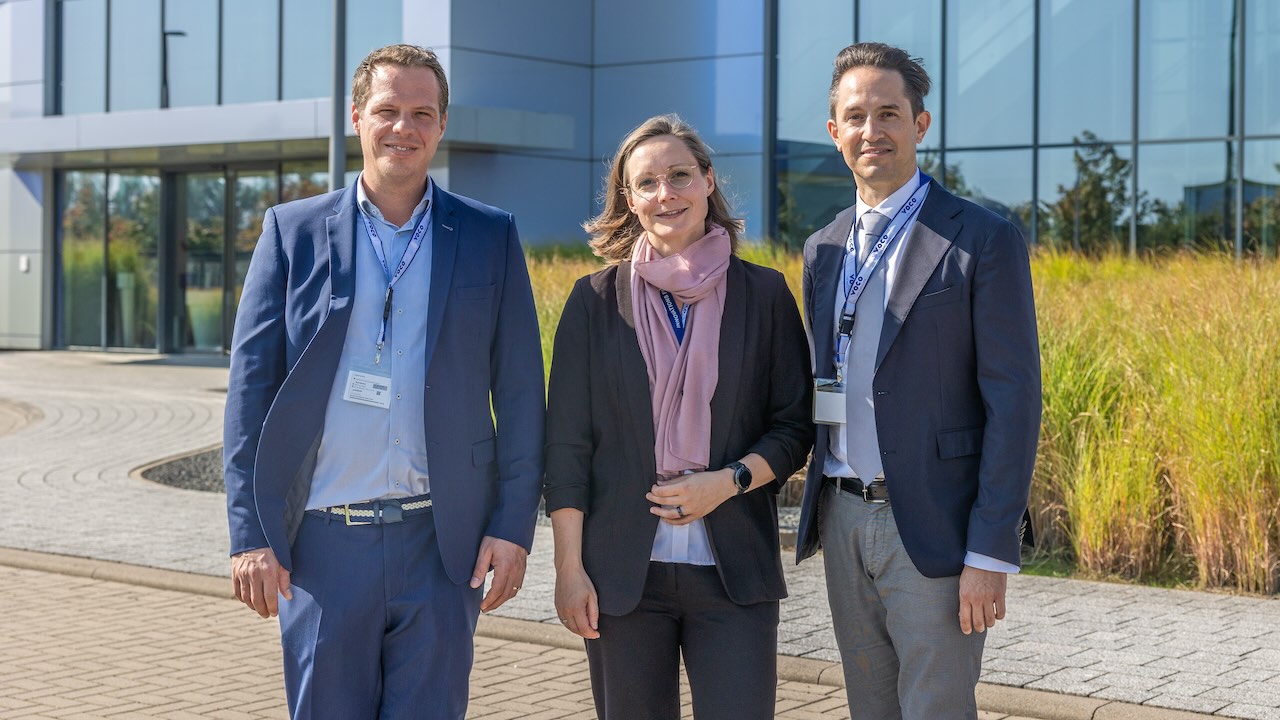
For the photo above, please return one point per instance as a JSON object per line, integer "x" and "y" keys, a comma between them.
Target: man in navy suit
{"x": 923, "y": 330}
{"x": 367, "y": 484}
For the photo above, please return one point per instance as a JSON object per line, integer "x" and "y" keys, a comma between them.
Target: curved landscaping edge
{"x": 15, "y": 415}
{"x": 199, "y": 469}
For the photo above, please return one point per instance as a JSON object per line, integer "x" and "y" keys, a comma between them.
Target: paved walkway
{"x": 84, "y": 421}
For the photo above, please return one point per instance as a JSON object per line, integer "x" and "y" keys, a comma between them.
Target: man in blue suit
{"x": 920, "y": 305}
{"x": 367, "y": 484}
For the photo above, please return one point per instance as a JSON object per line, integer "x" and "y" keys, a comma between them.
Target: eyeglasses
{"x": 678, "y": 177}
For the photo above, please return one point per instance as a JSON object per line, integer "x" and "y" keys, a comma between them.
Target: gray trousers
{"x": 898, "y": 631}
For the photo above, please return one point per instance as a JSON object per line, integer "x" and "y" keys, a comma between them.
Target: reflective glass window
{"x": 84, "y": 56}
{"x": 1085, "y": 198}
{"x": 989, "y": 80}
{"x": 999, "y": 180}
{"x": 135, "y": 55}
{"x": 201, "y": 252}
{"x": 914, "y": 26}
{"x": 1262, "y": 197}
{"x": 370, "y": 25}
{"x": 1184, "y": 69}
{"x": 133, "y": 205}
{"x": 192, "y": 59}
{"x": 303, "y": 180}
{"x": 811, "y": 191}
{"x": 1185, "y": 191}
{"x": 308, "y": 38}
{"x": 1262, "y": 58}
{"x": 250, "y": 50}
{"x": 1086, "y": 70}
{"x": 255, "y": 192}
{"x": 809, "y": 36}
{"x": 81, "y": 235}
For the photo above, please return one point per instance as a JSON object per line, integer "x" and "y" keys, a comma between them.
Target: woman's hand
{"x": 682, "y": 500}
{"x": 576, "y": 602}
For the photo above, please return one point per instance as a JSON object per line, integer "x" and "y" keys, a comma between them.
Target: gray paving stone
{"x": 1252, "y": 712}
{"x": 1180, "y": 702}
{"x": 1124, "y": 694}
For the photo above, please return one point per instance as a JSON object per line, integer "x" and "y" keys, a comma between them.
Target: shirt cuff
{"x": 984, "y": 562}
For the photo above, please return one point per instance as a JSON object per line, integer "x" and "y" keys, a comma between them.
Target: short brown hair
{"x": 404, "y": 56}
{"x": 615, "y": 230}
{"x": 885, "y": 57}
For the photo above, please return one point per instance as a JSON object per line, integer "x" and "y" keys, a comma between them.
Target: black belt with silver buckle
{"x": 876, "y": 492}
{"x": 378, "y": 512}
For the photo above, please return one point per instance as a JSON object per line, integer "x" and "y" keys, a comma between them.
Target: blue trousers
{"x": 376, "y": 629}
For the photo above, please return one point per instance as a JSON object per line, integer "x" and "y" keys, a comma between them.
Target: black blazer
{"x": 957, "y": 382}
{"x": 600, "y": 430}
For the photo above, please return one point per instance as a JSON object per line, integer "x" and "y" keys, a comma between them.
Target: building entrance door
{"x": 200, "y": 255}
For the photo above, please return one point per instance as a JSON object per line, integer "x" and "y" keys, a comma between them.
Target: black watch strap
{"x": 741, "y": 476}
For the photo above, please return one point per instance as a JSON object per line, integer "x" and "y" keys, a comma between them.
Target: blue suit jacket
{"x": 957, "y": 382}
{"x": 482, "y": 345}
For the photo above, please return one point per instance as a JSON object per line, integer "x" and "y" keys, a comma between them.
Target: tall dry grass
{"x": 1160, "y": 441}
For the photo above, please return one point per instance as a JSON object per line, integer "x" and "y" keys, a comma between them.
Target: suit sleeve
{"x": 1008, "y": 373}
{"x": 569, "y": 426}
{"x": 519, "y": 401}
{"x": 789, "y": 437}
{"x": 258, "y": 369}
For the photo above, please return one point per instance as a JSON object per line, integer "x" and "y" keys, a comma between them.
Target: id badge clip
{"x": 828, "y": 401}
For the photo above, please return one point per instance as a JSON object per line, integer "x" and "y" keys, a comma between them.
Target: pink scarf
{"x": 682, "y": 378}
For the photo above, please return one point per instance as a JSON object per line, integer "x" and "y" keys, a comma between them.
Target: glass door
{"x": 200, "y": 255}
{"x": 255, "y": 191}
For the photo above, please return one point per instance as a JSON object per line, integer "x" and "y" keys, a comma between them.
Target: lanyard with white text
{"x": 857, "y": 282}
{"x": 679, "y": 318}
{"x": 410, "y": 252}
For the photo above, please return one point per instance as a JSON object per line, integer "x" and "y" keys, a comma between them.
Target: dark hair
{"x": 886, "y": 57}
{"x": 615, "y": 230}
{"x": 404, "y": 56}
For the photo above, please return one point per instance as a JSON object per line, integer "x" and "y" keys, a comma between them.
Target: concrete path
{"x": 77, "y": 424}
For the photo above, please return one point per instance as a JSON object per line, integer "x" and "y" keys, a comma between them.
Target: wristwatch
{"x": 741, "y": 476}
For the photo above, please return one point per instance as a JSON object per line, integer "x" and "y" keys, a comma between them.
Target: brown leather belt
{"x": 876, "y": 492}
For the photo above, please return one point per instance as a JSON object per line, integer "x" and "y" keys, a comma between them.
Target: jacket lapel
{"x": 444, "y": 249}
{"x": 634, "y": 374}
{"x": 733, "y": 327}
{"x": 341, "y": 229}
{"x": 828, "y": 264}
{"x": 929, "y": 241}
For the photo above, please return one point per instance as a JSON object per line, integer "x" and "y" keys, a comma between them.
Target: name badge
{"x": 828, "y": 402}
{"x": 367, "y": 387}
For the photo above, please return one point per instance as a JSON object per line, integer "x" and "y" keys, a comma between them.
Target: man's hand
{"x": 259, "y": 579}
{"x": 683, "y": 499}
{"x": 576, "y": 602}
{"x": 981, "y": 599}
{"x": 507, "y": 560}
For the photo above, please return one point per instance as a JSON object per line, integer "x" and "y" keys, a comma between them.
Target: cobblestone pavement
{"x": 83, "y": 648}
{"x": 84, "y": 421}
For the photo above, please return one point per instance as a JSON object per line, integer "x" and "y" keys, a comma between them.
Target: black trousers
{"x": 730, "y": 651}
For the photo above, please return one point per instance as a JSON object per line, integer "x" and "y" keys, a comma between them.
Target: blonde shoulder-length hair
{"x": 615, "y": 230}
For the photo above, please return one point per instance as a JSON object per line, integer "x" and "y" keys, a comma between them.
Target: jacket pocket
{"x": 483, "y": 452}
{"x": 959, "y": 443}
{"x": 477, "y": 292}
{"x": 941, "y": 297}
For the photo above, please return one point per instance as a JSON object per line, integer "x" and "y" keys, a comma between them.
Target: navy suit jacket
{"x": 957, "y": 382}
{"x": 482, "y": 345}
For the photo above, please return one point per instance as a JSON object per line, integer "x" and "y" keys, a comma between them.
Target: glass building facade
{"x": 1099, "y": 125}
{"x": 142, "y": 140}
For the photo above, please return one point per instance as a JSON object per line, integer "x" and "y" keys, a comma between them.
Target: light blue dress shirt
{"x": 367, "y": 452}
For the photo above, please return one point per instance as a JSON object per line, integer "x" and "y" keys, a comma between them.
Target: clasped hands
{"x": 685, "y": 498}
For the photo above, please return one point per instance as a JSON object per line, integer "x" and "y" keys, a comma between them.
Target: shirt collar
{"x": 368, "y": 208}
{"x": 894, "y": 202}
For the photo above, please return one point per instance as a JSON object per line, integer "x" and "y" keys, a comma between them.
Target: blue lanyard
{"x": 857, "y": 281}
{"x": 679, "y": 318}
{"x": 410, "y": 252}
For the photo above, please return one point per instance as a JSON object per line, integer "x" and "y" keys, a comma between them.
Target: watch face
{"x": 741, "y": 476}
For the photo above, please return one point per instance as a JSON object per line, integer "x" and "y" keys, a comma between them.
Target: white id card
{"x": 828, "y": 402}
{"x": 368, "y": 387}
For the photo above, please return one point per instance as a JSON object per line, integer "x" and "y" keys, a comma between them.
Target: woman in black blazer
{"x": 679, "y": 403}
